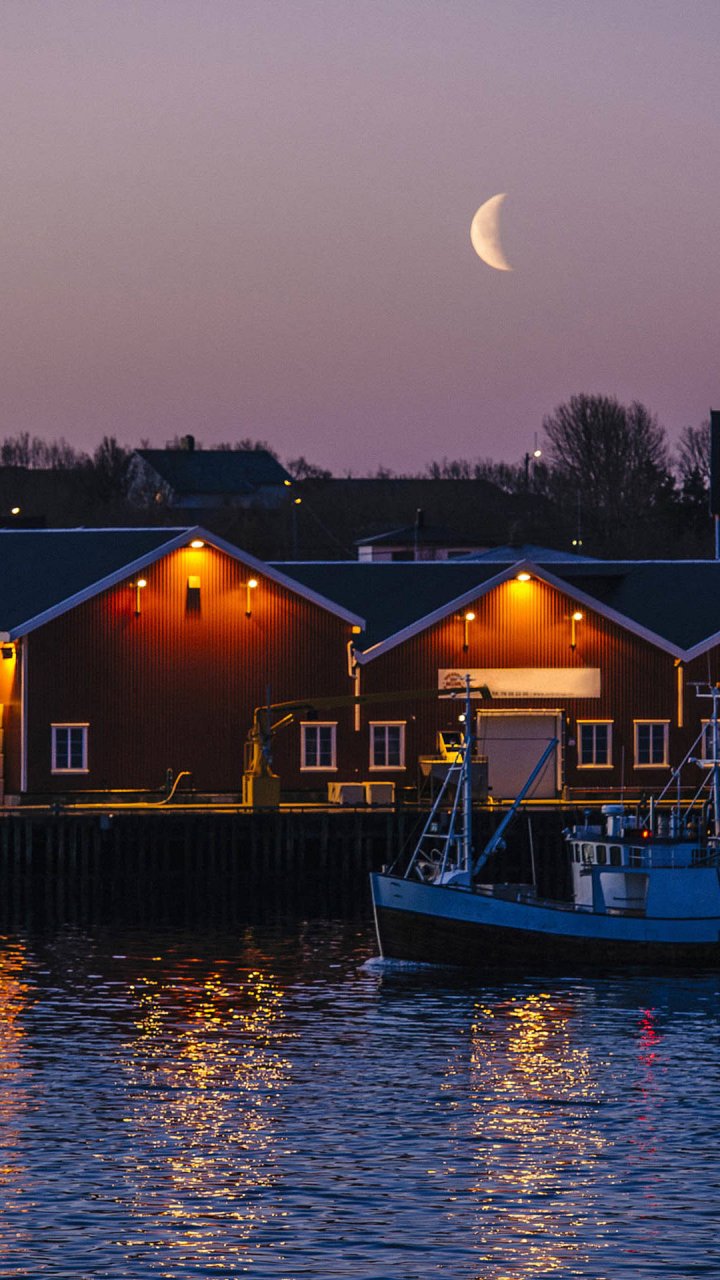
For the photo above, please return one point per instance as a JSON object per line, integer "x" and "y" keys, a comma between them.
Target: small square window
{"x": 651, "y": 743}
{"x": 387, "y": 745}
{"x": 594, "y": 744}
{"x": 69, "y": 748}
{"x": 318, "y": 745}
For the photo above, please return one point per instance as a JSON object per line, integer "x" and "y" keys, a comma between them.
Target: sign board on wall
{"x": 525, "y": 682}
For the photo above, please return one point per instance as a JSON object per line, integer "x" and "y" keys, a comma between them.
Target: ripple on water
{"x": 282, "y": 1104}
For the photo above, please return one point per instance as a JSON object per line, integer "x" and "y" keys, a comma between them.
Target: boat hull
{"x": 435, "y": 925}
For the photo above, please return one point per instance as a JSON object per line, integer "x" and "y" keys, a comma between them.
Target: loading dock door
{"x": 513, "y": 742}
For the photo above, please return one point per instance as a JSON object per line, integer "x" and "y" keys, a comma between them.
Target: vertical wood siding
{"x": 175, "y": 687}
{"x": 528, "y": 625}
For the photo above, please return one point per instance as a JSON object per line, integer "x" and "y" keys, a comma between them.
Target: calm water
{"x": 273, "y": 1102}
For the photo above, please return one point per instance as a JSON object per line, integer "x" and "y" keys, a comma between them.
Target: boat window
{"x": 615, "y": 855}
{"x": 636, "y": 857}
{"x": 587, "y": 853}
{"x": 601, "y": 854}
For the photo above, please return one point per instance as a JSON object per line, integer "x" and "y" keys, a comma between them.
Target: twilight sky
{"x": 251, "y": 218}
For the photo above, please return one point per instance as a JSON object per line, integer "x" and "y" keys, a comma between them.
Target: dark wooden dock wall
{"x": 223, "y": 866}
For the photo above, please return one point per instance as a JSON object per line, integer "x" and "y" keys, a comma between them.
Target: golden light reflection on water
{"x": 15, "y": 994}
{"x": 206, "y": 1079}
{"x": 533, "y": 1094}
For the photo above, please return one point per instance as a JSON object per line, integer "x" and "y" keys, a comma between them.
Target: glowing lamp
{"x": 356, "y": 630}
{"x": 297, "y": 501}
{"x": 14, "y": 511}
{"x": 138, "y": 586}
{"x": 197, "y": 543}
{"x": 287, "y": 483}
{"x": 467, "y": 619}
{"x": 523, "y": 577}
{"x": 250, "y": 586}
{"x": 575, "y": 617}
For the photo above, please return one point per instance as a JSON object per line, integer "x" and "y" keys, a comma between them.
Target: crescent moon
{"x": 485, "y": 234}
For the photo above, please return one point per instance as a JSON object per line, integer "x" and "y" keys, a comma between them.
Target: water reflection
{"x": 205, "y": 1078}
{"x": 15, "y": 992}
{"x": 534, "y": 1094}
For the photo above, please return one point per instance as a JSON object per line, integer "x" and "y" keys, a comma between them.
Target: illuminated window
{"x": 318, "y": 745}
{"x": 69, "y": 743}
{"x": 594, "y": 744}
{"x": 651, "y": 743}
{"x": 387, "y": 745}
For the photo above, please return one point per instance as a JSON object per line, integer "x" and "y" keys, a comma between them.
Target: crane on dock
{"x": 261, "y": 785}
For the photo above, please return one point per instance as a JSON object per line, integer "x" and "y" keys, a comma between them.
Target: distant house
{"x": 418, "y": 541}
{"x": 206, "y": 479}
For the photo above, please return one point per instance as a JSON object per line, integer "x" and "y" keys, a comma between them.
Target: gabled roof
{"x": 215, "y": 471}
{"x": 44, "y": 573}
{"x": 674, "y": 604}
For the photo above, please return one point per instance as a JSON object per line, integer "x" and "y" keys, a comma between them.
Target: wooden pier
{"x": 146, "y": 864}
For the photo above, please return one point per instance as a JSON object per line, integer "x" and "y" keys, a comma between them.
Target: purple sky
{"x": 251, "y": 218}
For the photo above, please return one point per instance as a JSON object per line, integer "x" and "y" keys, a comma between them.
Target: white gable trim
{"x": 482, "y": 589}
{"x": 181, "y": 539}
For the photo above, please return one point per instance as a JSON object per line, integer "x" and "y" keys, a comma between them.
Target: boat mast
{"x": 467, "y": 851}
{"x": 715, "y": 695}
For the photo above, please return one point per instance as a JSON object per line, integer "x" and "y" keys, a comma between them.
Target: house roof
{"x": 44, "y": 573}
{"x": 423, "y": 535}
{"x": 215, "y": 471}
{"x": 528, "y": 551}
{"x": 674, "y": 604}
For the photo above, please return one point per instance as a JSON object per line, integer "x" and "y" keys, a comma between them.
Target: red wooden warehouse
{"x": 133, "y": 656}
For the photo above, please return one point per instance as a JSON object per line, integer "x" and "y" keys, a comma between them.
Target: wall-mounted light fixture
{"x": 197, "y": 543}
{"x": 297, "y": 501}
{"x": 574, "y": 619}
{"x": 250, "y": 586}
{"x": 523, "y": 576}
{"x": 467, "y": 619}
{"x": 287, "y": 483}
{"x": 14, "y": 511}
{"x": 137, "y": 587}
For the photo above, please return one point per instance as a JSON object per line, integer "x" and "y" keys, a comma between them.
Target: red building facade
{"x": 159, "y": 674}
{"x": 148, "y": 662}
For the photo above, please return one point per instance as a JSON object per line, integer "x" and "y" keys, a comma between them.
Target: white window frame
{"x": 655, "y": 764}
{"x": 318, "y": 724}
{"x": 387, "y": 724}
{"x": 64, "y": 728}
{"x": 593, "y": 764}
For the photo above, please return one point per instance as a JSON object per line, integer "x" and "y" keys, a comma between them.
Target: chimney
{"x": 187, "y": 443}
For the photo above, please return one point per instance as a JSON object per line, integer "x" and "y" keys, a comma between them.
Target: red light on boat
{"x": 646, "y": 834}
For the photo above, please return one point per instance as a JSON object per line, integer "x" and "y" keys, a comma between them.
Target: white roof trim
{"x": 102, "y": 584}
{"x": 173, "y": 544}
{"x": 482, "y": 589}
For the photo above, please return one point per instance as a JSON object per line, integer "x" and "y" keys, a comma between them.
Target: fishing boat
{"x": 645, "y": 884}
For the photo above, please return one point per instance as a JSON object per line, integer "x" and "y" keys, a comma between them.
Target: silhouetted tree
{"x": 109, "y": 472}
{"x": 301, "y": 469}
{"x": 611, "y": 461}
